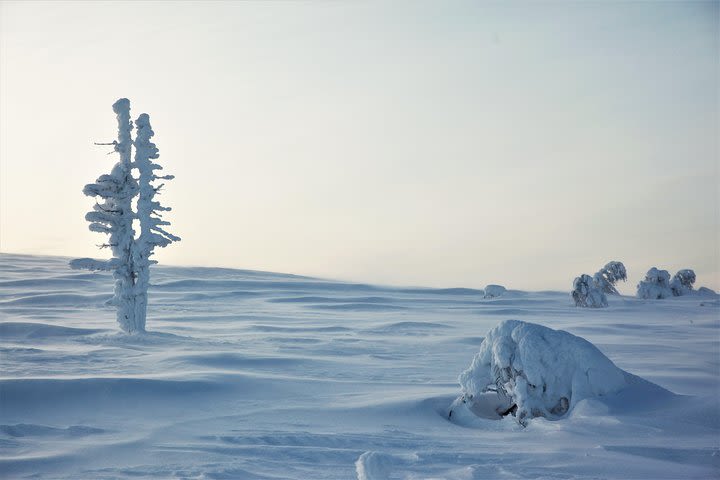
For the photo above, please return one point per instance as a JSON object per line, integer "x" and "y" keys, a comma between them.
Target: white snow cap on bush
{"x": 544, "y": 372}
{"x": 656, "y": 285}
{"x": 587, "y": 294}
{"x": 608, "y": 276}
{"x": 682, "y": 282}
{"x": 492, "y": 291}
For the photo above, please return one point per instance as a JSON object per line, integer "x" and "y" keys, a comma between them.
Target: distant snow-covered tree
{"x": 609, "y": 275}
{"x": 493, "y": 291}
{"x": 586, "y": 293}
{"x": 656, "y": 285}
{"x": 113, "y": 214}
{"x": 682, "y": 282}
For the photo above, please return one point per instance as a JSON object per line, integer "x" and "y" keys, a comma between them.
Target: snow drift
{"x": 534, "y": 371}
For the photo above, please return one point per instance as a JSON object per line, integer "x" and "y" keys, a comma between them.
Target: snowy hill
{"x": 256, "y": 375}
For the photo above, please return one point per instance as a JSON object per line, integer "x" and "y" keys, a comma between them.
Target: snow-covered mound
{"x": 540, "y": 372}
{"x": 492, "y": 291}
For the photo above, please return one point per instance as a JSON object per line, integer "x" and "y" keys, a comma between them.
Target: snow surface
{"x": 253, "y": 375}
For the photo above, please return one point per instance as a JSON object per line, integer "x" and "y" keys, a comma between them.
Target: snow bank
{"x": 492, "y": 291}
{"x": 542, "y": 372}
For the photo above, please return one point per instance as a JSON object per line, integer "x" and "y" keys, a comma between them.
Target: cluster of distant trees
{"x": 592, "y": 291}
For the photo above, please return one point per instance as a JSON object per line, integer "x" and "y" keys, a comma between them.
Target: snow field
{"x": 255, "y": 375}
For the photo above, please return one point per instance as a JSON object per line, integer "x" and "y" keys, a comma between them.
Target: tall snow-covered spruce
{"x": 114, "y": 215}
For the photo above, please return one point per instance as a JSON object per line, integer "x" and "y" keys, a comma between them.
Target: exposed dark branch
{"x": 107, "y": 210}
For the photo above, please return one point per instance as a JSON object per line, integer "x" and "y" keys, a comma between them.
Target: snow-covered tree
{"x": 682, "y": 282}
{"x": 586, "y": 293}
{"x": 608, "y": 276}
{"x": 152, "y": 233}
{"x": 656, "y": 285}
{"x": 493, "y": 291}
{"x": 114, "y": 215}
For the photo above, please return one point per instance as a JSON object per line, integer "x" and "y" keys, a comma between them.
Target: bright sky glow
{"x": 438, "y": 144}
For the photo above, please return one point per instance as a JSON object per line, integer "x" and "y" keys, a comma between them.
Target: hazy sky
{"x": 416, "y": 143}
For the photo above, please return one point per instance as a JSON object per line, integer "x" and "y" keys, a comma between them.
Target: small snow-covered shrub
{"x": 608, "y": 276}
{"x": 655, "y": 286}
{"x": 682, "y": 282}
{"x": 492, "y": 291}
{"x": 541, "y": 372}
{"x": 587, "y": 294}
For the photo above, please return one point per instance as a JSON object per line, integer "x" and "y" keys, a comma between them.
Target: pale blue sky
{"x": 426, "y": 143}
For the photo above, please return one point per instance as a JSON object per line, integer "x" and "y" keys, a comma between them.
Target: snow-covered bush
{"x": 682, "y": 282}
{"x": 114, "y": 215}
{"x": 535, "y": 371}
{"x": 655, "y": 286}
{"x": 608, "y": 276}
{"x": 492, "y": 291}
{"x": 586, "y": 293}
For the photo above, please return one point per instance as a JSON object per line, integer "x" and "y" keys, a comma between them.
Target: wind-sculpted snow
{"x": 244, "y": 375}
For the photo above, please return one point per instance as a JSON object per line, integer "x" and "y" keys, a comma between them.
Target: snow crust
{"x": 544, "y": 372}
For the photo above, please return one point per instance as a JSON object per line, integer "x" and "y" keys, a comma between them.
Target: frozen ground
{"x": 251, "y": 375}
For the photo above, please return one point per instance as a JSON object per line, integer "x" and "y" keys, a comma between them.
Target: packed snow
{"x": 255, "y": 375}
